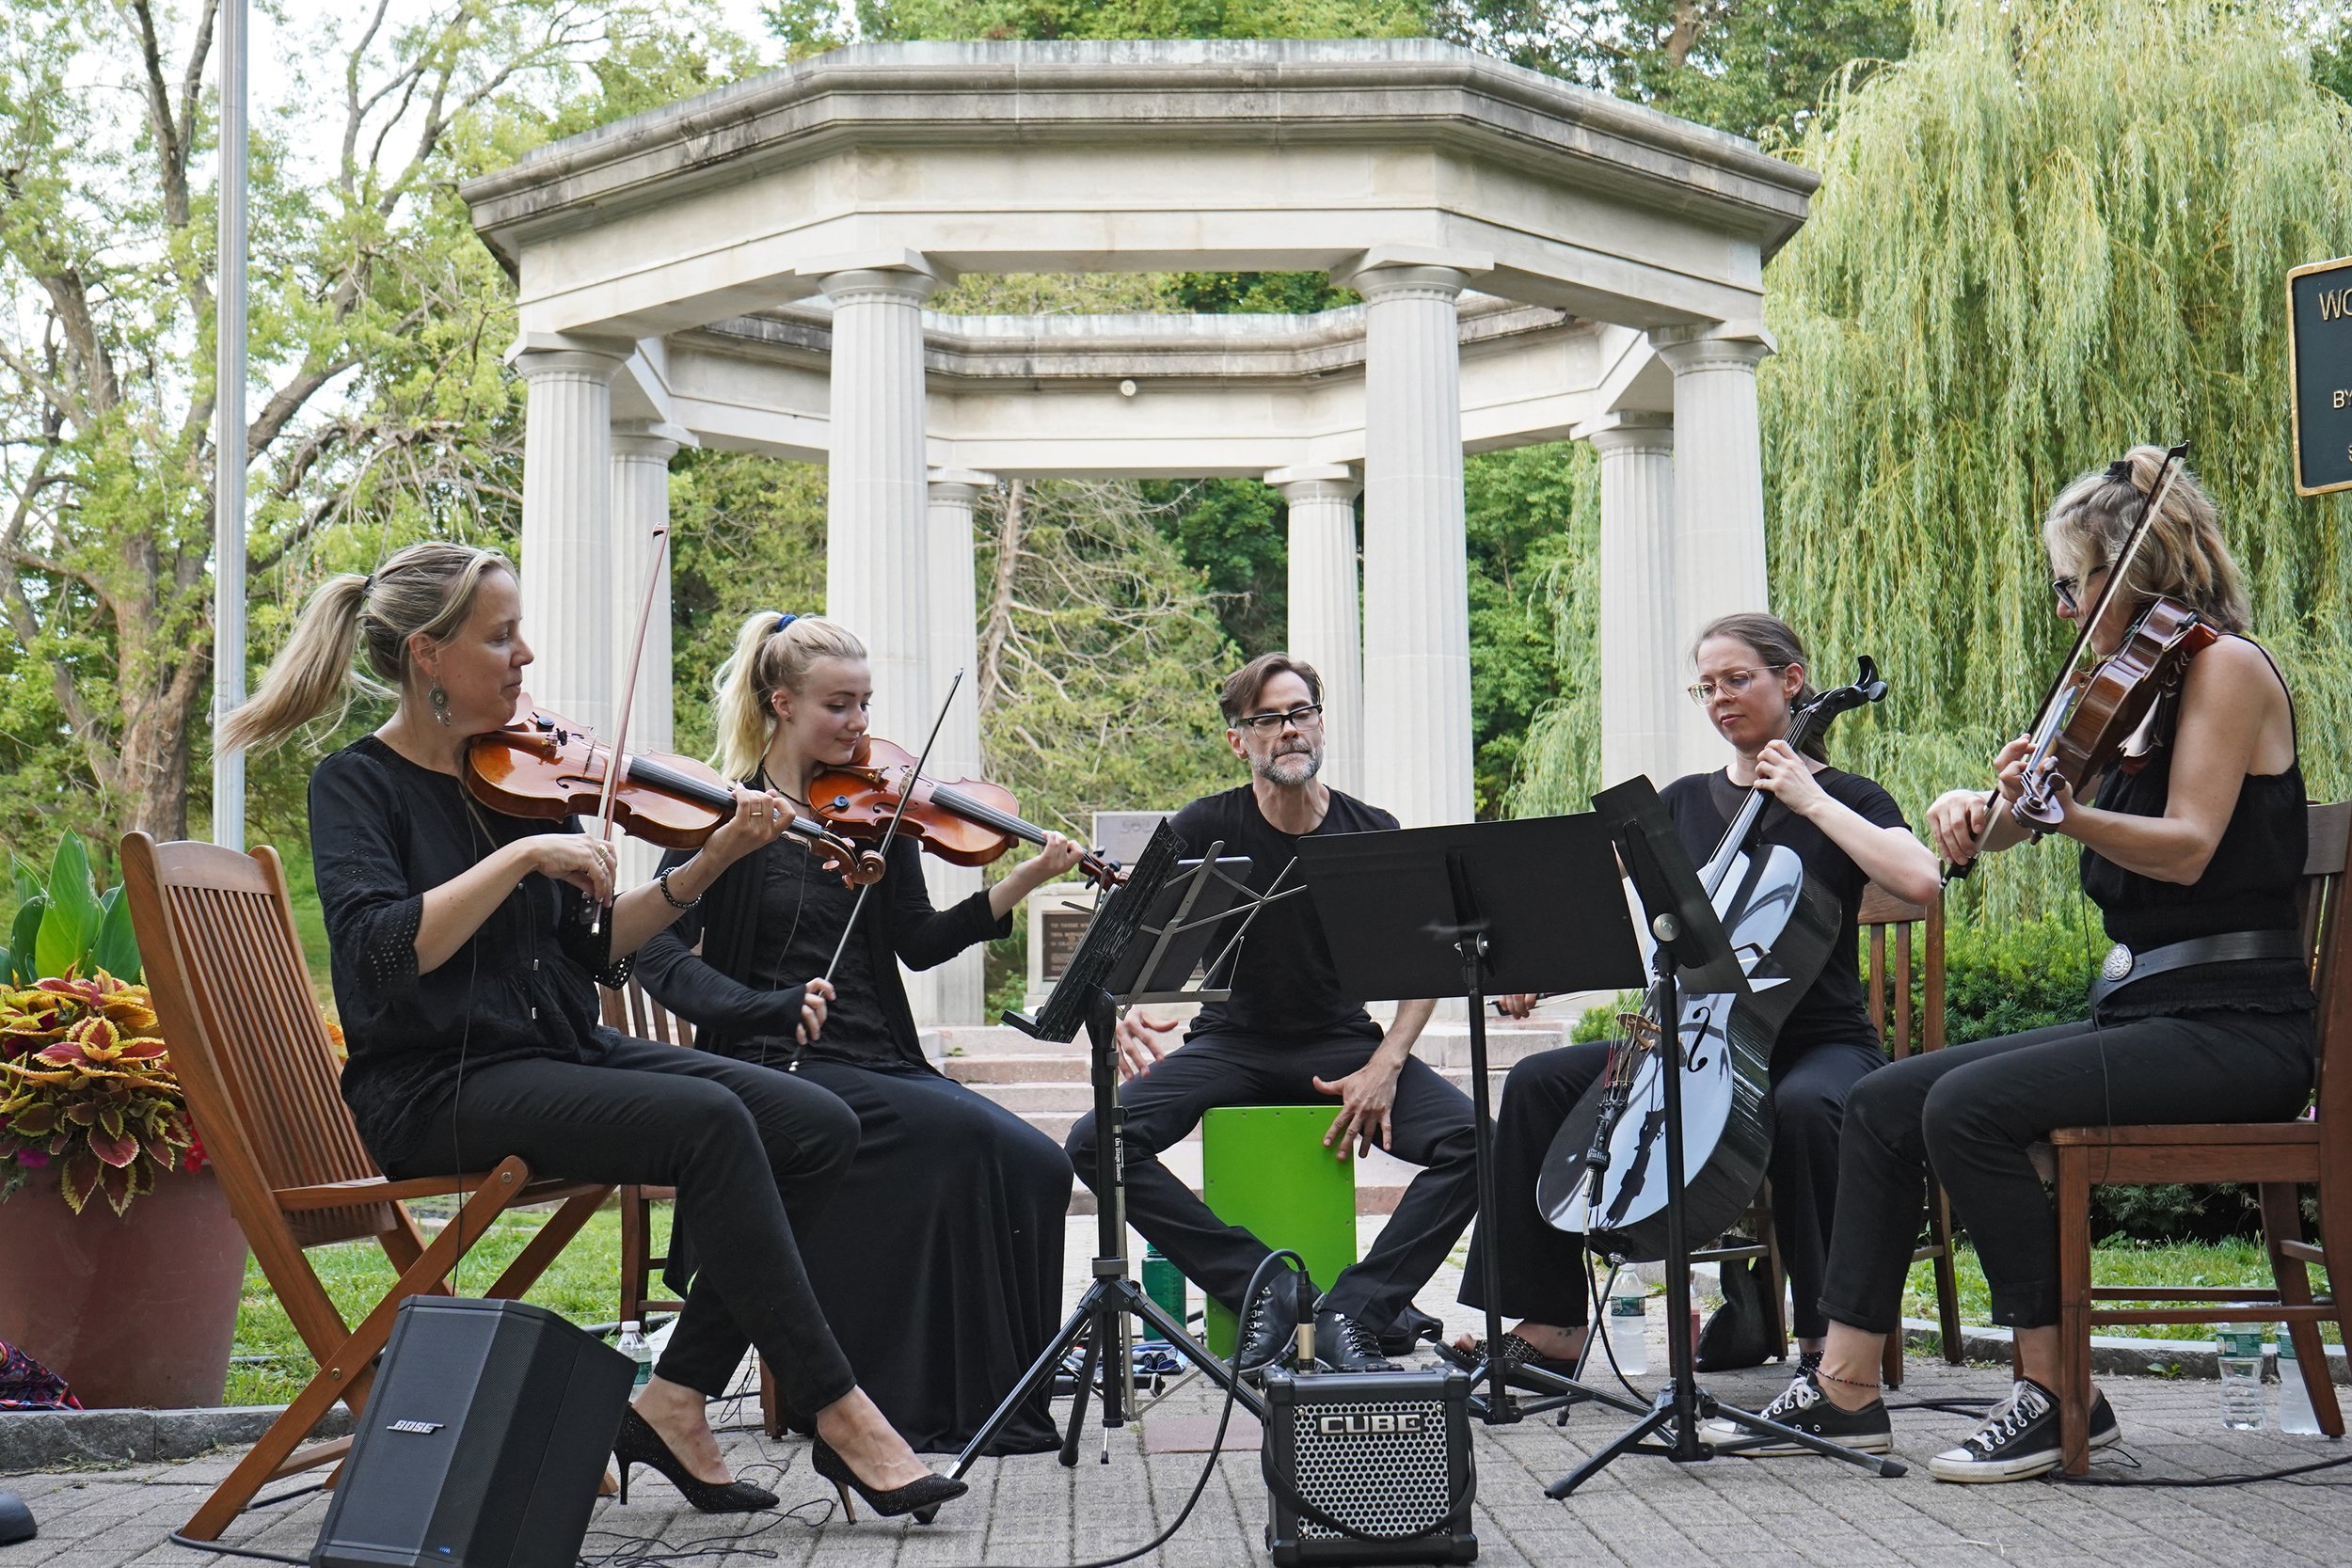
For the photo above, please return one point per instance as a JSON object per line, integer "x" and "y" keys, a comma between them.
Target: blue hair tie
{"x": 782, "y": 622}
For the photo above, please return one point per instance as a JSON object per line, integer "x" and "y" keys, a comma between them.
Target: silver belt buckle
{"x": 2117, "y": 965}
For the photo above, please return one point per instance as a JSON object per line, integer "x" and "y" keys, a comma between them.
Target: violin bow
{"x": 906, "y": 794}
{"x": 2043, "y": 733}
{"x": 628, "y": 695}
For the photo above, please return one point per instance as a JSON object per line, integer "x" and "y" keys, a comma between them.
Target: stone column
{"x": 568, "y": 569}
{"x": 957, "y": 991}
{"x": 1641, "y": 684}
{"x": 875, "y": 580}
{"x": 1718, "y": 495}
{"x": 1326, "y": 627}
{"x": 642, "y": 451}
{"x": 1416, "y": 676}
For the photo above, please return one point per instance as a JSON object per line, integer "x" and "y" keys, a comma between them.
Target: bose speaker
{"x": 1369, "y": 1467}
{"x": 481, "y": 1443}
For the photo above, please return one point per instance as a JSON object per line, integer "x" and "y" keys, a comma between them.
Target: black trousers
{"x": 1429, "y": 1126}
{"x": 741, "y": 1144}
{"x": 1972, "y": 1110}
{"x": 1542, "y": 1270}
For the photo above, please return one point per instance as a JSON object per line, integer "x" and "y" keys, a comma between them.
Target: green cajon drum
{"x": 1264, "y": 1168}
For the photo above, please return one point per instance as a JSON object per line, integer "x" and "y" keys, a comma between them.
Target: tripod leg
{"x": 1078, "y": 1401}
{"x": 1040, "y": 1371}
{"x": 1133, "y": 1299}
{"x": 1623, "y": 1443}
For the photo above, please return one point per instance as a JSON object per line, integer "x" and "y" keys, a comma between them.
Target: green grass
{"x": 2118, "y": 1263}
{"x": 583, "y": 1284}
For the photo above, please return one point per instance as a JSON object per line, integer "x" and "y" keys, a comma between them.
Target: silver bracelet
{"x": 662, "y": 880}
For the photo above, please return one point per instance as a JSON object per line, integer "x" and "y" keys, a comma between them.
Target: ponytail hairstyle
{"x": 772, "y": 653}
{"x": 2184, "y": 556}
{"x": 425, "y": 589}
{"x": 1775, "y": 644}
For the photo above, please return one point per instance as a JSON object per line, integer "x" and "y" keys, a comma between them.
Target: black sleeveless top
{"x": 2249, "y": 885}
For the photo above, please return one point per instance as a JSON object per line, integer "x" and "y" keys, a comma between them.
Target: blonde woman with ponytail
{"x": 939, "y": 1259}
{"x": 465, "y": 966}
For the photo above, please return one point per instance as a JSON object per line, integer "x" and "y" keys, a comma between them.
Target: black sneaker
{"x": 1272, "y": 1324}
{"x": 1803, "y": 1407}
{"x": 1344, "y": 1345}
{"x": 2019, "y": 1440}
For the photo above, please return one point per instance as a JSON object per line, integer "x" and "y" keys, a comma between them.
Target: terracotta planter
{"x": 139, "y": 1310}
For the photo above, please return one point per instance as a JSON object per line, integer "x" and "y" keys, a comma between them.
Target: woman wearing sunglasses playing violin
{"x": 2203, "y": 1012}
{"x": 1848, "y": 832}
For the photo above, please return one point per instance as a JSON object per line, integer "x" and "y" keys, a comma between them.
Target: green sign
{"x": 2319, "y": 366}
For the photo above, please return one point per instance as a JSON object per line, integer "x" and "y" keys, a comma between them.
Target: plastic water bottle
{"x": 2294, "y": 1398}
{"x": 1163, "y": 1282}
{"x": 2238, "y": 1354}
{"x": 633, "y": 1345}
{"x": 1629, "y": 1333}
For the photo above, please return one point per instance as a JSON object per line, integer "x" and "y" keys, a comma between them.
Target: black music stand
{"x": 1147, "y": 937}
{"x": 1474, "y": 910}
{"x": 1691, "y": 952}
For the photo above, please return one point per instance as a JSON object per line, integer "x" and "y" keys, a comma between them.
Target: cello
{"x": 1604, "y": 1174}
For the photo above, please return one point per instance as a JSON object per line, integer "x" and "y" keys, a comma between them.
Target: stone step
{"x": 1442, "y": 1044}
{"x": 1036, "y": 1096}
{"x": 1380, "y": 1180}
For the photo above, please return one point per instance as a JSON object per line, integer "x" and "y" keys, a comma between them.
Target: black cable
{"x": 179, "y": 1540}
{"x": 2194, "y": 1482}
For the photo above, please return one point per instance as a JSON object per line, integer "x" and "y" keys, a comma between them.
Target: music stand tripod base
{"x": 1145, "y": 939}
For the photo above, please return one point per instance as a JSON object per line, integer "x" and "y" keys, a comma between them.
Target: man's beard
{"x": 1290, "y": 768}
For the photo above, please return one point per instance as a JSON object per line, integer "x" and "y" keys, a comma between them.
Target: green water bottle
{"x": 1163, "y": 1282}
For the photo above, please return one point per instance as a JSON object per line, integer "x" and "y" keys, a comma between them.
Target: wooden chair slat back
{"x": 216, "y": 932}
{"x": 1916, "y": 957}
{"x": 2329, "y": 935}
{"x": 633, "y": 1012}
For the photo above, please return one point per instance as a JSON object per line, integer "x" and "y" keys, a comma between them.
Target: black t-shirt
{"x": 1285, "y": 983}
{"x": 1703, "y": 805}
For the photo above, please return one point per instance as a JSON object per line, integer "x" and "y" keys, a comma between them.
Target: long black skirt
{"x": 938, "y": 1258}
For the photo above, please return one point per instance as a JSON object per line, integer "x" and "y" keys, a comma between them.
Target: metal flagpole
{"x": 228, "y": 453}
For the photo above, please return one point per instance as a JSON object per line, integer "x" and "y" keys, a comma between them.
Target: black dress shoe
{"x": 1272, "y": 1324}
{"x": 637, "y": 1443}
{"x": 1412, "y": 1325}
{"x": 1344, "y": 1345}
{"x": 920, "y": 1498}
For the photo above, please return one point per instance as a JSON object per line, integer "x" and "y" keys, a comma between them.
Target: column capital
{"x": 894, "y": 276}
{"x": 1303, "y": 482}
{"x": 1629, "y": 432}
{"x": 961, "y": 485}
{"x": 1388, "y": 268}
{"x": 649, "y": 440}
{"x": 1379, "y": 285}
{"x": 1714, "y": 347}
{"x": 537, "y": 354}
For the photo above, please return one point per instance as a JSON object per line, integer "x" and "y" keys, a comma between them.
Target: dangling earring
{"x": 439, "y": 699}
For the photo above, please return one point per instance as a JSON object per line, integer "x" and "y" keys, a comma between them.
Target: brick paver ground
{"x": 1728, "y": 1512}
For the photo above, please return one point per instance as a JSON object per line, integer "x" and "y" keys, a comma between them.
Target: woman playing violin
{"x": 1848, "y": 832}
{"x": 2193, "y": 851}
{"x": 939, "y": 1259}
{"x": 465, "y": 964}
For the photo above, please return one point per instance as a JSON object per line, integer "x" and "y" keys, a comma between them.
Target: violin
{"x": 2092, "y": 709}
{"x": 543, "y": 764}
{"x": 2110, "y": 702}
{"x": 968, "y": 822}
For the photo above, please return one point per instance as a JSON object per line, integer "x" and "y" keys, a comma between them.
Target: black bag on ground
{"x": 1738, "y": 1333}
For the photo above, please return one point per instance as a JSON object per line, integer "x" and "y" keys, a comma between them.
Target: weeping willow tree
{"x": 2059, "y": 227}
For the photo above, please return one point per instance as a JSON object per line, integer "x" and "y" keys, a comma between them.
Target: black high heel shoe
{"x": 637, "y": 1443}
{"x": 920, "y": 1498}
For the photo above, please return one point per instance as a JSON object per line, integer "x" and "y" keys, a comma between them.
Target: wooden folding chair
{"x": 633, "y": 1012}
{"x": 216, "y": 933}
{"x": 2278, "y": 1158}
{"x": 1888, "y": 991}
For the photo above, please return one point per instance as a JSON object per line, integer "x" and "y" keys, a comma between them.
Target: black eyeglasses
{"x": 2069, "y": 588}
{"x": 1266, "y": 724}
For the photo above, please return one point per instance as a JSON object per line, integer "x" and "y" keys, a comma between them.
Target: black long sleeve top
{"x": 718, "y": 988}
{"x": 384, "y": 831}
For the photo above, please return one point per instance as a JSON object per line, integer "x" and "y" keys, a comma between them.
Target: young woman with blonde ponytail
{"x": 939, "y": 1258}
{"x": 465, "y": 970}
